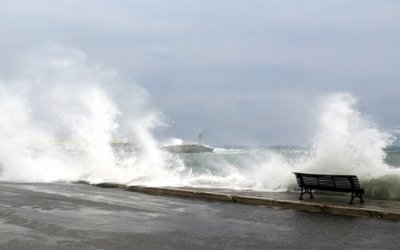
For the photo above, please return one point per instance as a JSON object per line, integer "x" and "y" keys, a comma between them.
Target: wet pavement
{"x": 74, "y": 216}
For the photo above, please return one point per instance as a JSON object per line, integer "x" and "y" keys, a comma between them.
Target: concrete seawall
{"x": 305, "y": 206}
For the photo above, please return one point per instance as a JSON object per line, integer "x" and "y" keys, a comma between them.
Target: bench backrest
{"x": 328, "y": 181}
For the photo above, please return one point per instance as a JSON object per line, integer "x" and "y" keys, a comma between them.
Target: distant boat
{"x": 189, "y": 148}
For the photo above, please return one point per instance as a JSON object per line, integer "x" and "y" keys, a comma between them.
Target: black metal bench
{"x": 336, "y": 183}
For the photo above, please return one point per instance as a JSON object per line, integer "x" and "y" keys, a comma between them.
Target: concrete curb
{"x": 259, "y": 201}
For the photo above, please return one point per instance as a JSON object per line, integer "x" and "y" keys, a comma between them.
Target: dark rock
{"x": 189, "y": 148}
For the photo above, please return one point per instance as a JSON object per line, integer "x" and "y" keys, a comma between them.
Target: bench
{"x": 336, "y": 183}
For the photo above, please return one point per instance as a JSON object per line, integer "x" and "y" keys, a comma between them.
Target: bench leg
{"x": 301, "y": 194}
{"x": 306, "y": 190}
{"x": 358, "y": 195}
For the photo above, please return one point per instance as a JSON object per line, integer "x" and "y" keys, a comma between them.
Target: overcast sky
{"x": 241, "y": 71}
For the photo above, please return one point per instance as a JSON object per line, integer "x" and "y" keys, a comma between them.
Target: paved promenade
{"x": 75, "y": 216}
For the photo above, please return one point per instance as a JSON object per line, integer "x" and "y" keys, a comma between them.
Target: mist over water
{"x": 61, "y": 114}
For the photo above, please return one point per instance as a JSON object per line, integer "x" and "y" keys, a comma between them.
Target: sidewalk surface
{"x": 72, "y": 216}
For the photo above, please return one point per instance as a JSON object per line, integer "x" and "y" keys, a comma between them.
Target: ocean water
{"x": 61, "y": 116}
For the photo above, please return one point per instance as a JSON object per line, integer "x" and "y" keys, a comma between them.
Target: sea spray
{"x": 59, "y": 117}
{"x": 346, "y": 142}
{"x": 26, "y": 154}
